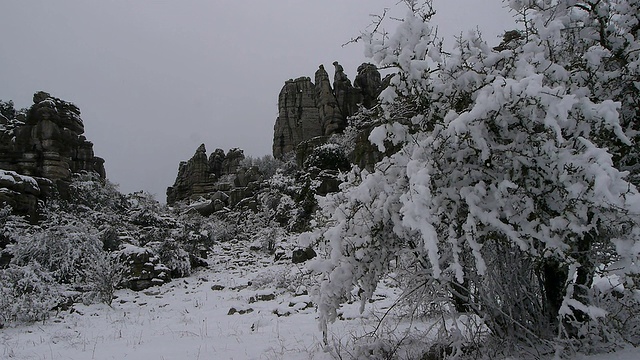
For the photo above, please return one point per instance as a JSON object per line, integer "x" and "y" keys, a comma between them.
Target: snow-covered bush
{"x": 11, "y": 227}
{"x": 267, "y": 165}
{"x": 150, "y": 234}
{"x": 71, "y": 254}
{"x": 290, "y": 199}
{"x": 145, "y": 211}
{"x": 220, "y": 230}
{"x": 269, "y": 237}
{"x": 60, "y": 249}
{"x": 328, "y": 156}
{"x": 500, "y": 185}
{"x": 88, "y": 191}
{"x": 27, "y": 293}
{"x": 101, "y": 275}
{"x": 622, "y": 307}
{"x": 173, "y": 255}
{"x": 7, "y": 109}
{"x": 284, "y": 278}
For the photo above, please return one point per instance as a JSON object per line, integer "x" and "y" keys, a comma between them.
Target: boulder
{"x": 329, "y": 182}
{"x": 220, "y": 196}
{"x": 238, "y": 194}
{"x": 143, "y": 268}
{"x": 248, "y": 204}
{"x": 22, "y": 193}
{"x": 218, "y": 205}
{"x": 301, "y": 255}
{"x": 204, "y": 208}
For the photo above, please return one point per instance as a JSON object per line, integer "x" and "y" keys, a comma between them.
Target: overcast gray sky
{"x": 155, "y": 79}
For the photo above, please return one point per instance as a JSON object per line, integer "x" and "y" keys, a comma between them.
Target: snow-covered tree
{"x": 509, "y": 179}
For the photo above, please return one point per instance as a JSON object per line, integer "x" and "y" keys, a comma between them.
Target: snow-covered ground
{"x": 183, "y": 320}
{"x": 192, "y": 318}
{"x": 189, "y": 318}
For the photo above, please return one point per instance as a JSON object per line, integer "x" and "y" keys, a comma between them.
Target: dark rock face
{"x": 49, "y": 142}
{"x": 301, "y": 255}
{"x": 46, "y": 146}
{"x": 365, "y": 154}
{"x": 232, "y": 161}
{"x": 331, "y": 116}
{"x": 21, "y": 193}
{"x": 307, "y": 110}
{"x": 220, "y": 180}
{"x": 298, "y": 116}
{"x": 195, "y": 178}
{"x": 369, "y": 84}
{"x": 348, "y": 97}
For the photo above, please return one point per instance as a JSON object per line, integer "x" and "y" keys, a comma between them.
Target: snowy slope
{"x": 189, "y": 319}
{"x": 186, "y": 319}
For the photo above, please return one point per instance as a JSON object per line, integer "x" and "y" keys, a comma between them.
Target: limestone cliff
{"x": 48, "y": 142}
{"x": 307, "y": 110}
{"x": 45, "y": 144}
{"x": 195, "y": 177}
{"x": 298, "y": 116}
{"x": 219, "y": 179}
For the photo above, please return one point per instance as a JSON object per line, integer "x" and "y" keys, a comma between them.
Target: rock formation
{"x": 308, "y": 113}
{"x": 21, "y": 193}
{"x": 368, "y": 84}
{"x": 48, "y": 142}
{"x": 307, "y": 110}
{"x": 220, "y": 180}
{"x": 195, "y": 177}
{"x": 298, "y": 116}
{"x": 331, "y": 115}
{"x": 45, "y": 144}
{"x": 144, "y": 269}
{"x": 347, "y": 96}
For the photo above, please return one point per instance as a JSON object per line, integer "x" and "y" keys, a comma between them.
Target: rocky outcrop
{"x": 347, "y": 96}
{"x": 195, "y": 177}
{"x": 49, "y": 142}
{"x": 307, "y": 110}
{"x": 368, "y": 84}
{"x": 22, "y": 193}
{"x": 331, "y": 116}
{"x": 301, "y": 255}
{"x": 219, "y": 180}
{"x": 298, "y": 116}
{"x": 231, "y": 161}
{"x": 144, "y": 269}
{"x": 45, "y": 144}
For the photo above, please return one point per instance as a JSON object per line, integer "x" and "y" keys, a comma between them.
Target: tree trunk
{"x": 555, "y": 277}
{"x": 584, "y": 276}
{"x": 460, "y": 295}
